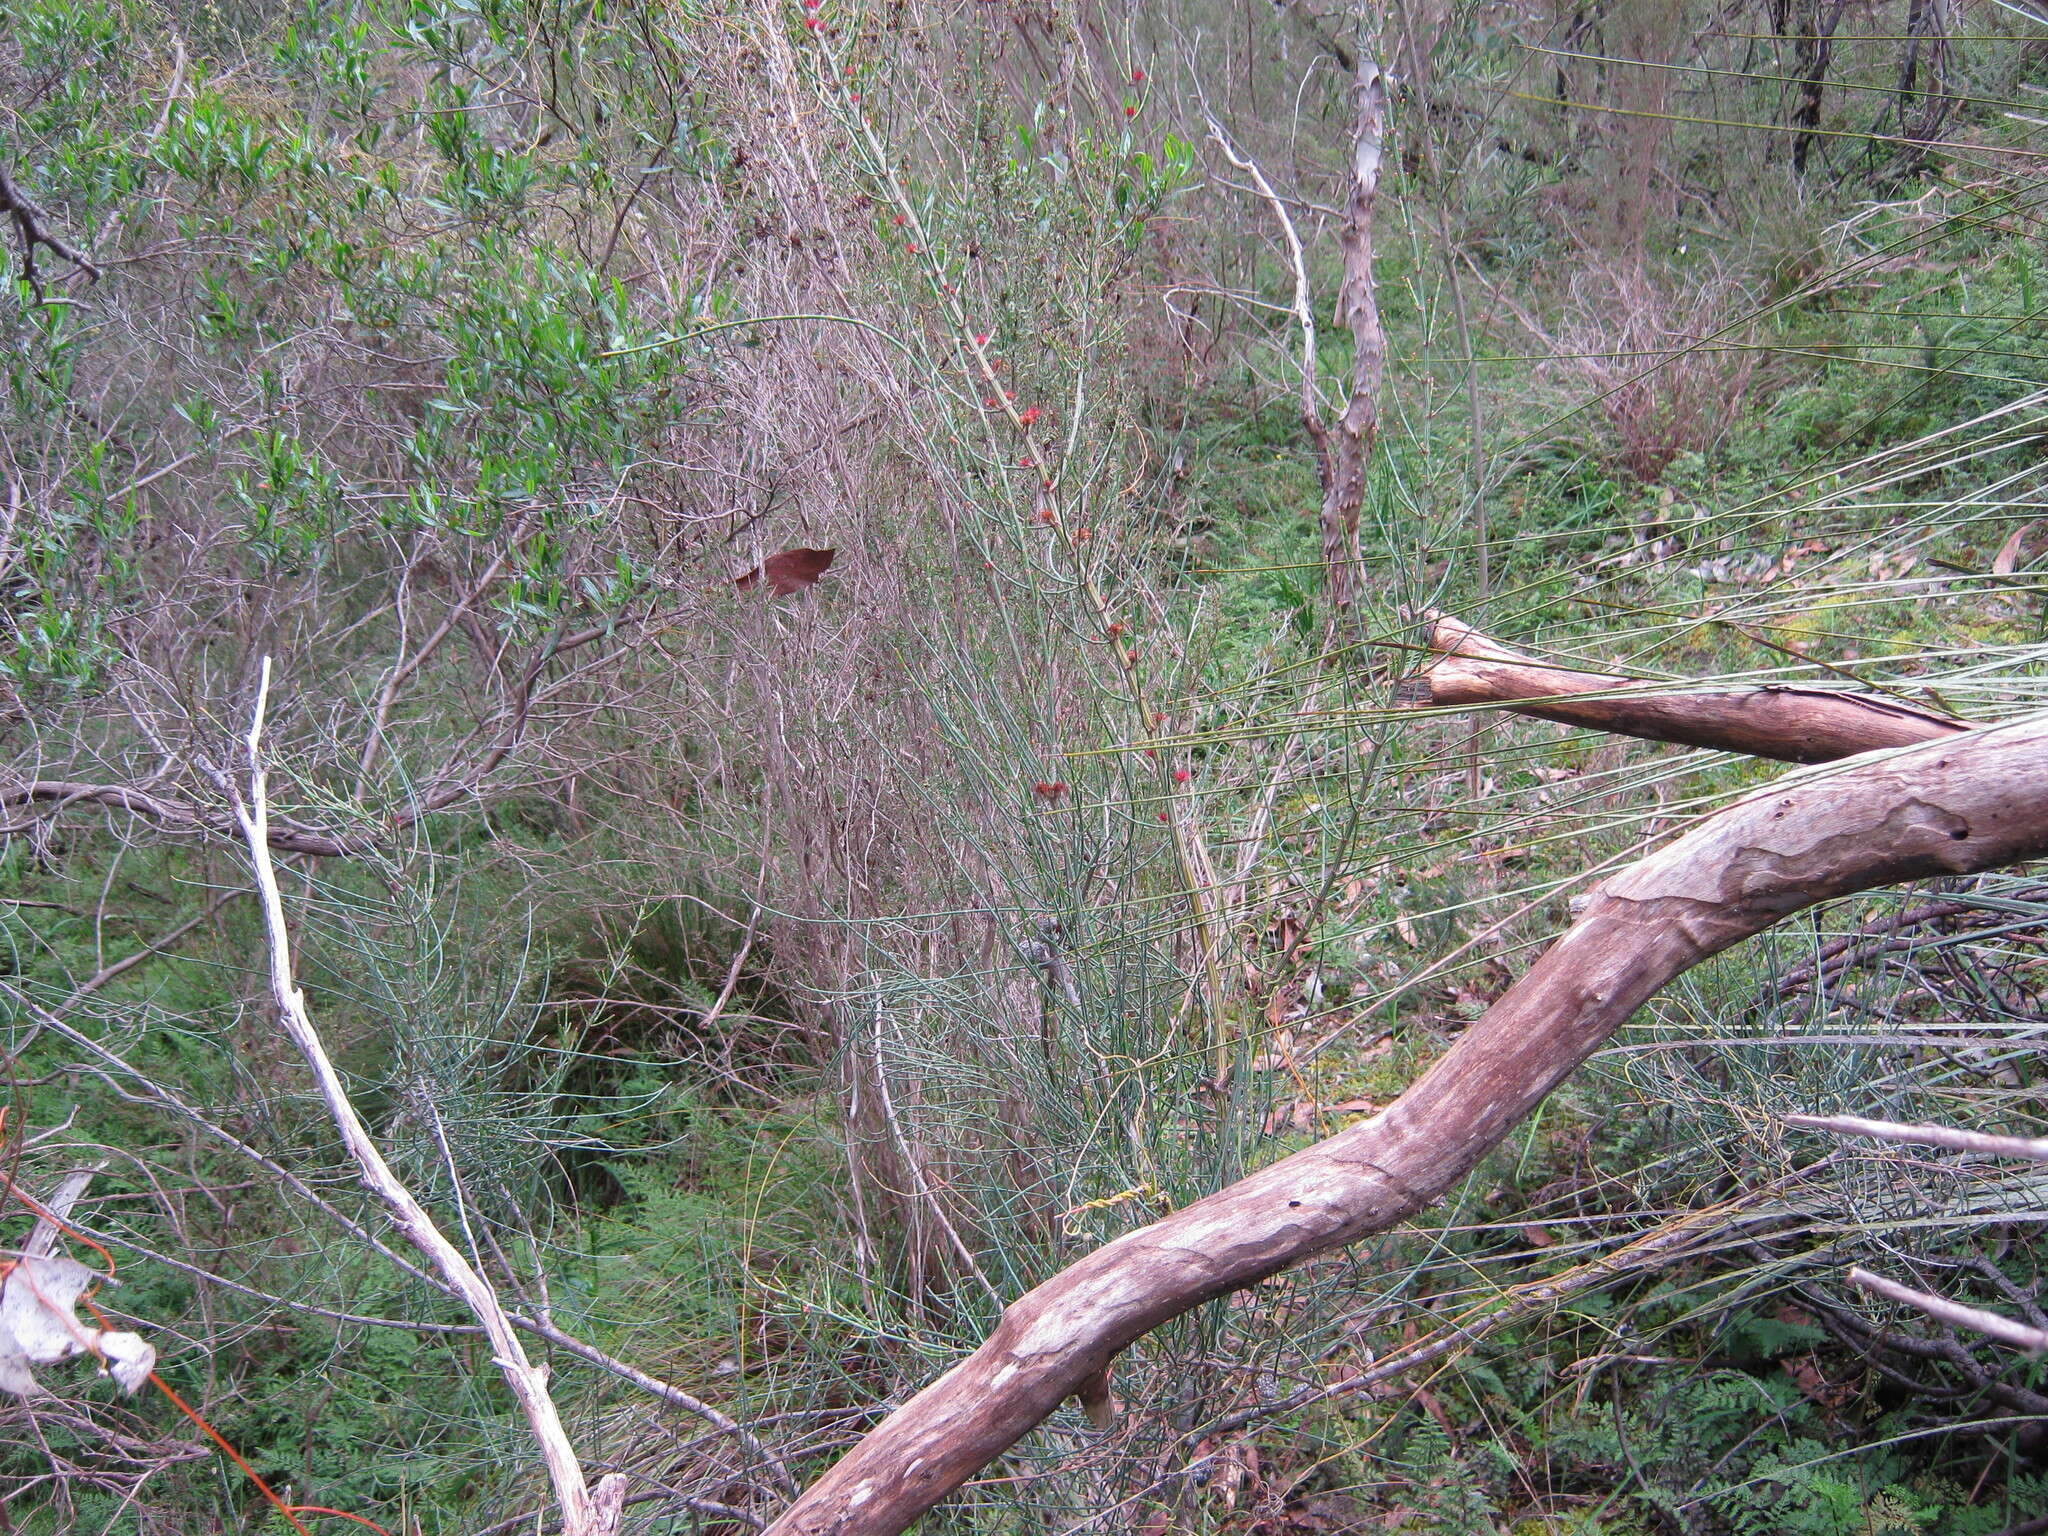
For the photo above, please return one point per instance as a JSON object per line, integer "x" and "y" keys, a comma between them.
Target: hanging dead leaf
{"x": 790, "y": 571}
{"x": 1813, "y": 1383}
{"x": 39, "y": 1325}
{"x": 2007, "y": 560}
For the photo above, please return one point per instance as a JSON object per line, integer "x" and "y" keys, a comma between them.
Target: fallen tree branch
{"x": 1941, "y": 1309}
{"x": 2034, "y": 1147}
{"x": 1976, "y": 801}
{"x": 1788, "y": 723}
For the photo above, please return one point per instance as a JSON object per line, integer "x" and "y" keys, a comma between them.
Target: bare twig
{"x": 407, "y": 665}
{"x": 1297, "y": 265}
{"x": 31, "y": 231}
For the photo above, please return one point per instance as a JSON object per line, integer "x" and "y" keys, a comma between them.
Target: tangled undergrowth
{"x": 766, "y": 985}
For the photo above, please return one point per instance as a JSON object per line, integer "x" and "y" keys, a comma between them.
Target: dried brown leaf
{"x": 2007, "y": 560}
{"x": 790, "y": 571}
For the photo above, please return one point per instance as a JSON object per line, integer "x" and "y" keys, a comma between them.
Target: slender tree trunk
{"x": 1346, "y": 452}
{"x": 1816, "y": 50}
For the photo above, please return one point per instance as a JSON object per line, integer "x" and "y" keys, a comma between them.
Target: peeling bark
{"x": 1787, "y": 723}
{"x": 1972, "y": 802}
{"x": 1345, "y": 449}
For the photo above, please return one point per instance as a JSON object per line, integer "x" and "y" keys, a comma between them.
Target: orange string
{"x": 289, "y": 1511}
{"x": 206, "y": 1429}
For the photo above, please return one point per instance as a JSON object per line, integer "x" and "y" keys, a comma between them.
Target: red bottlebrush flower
{"x": 1132, "y": 657}
{"x": 990, "y": 403}
{"x": 1181, "y": 775}
{"x": 897, "y": 221}
{"x": 1153, "y": 753}
{"x": 1115, "y": 630}
{"x": 810, "y": 5}
{"x": 1030, "y": 415}
{"x": 1137, "y": 77}
{"x": 1130, "y": 111}
{"x": 981, "y": 338}
{"x": 911, "y": 247}
{"x": 948, "y": 288}
{"x": 853, "y": 95}
{"x": 811, "y": 23}
{"x": 1158, "y": 719}
{"x": 1083, "y": 534}
{"x": 1009, "y": 395}
{"x": 1162, "y": 815}
{"x": 1049, "y": 791}
{"x": 1047, "y": 515}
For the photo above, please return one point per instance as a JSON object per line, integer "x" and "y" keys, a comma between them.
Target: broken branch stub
{"x": 1974, "y": 802}
{"x": 1780, "y": 721}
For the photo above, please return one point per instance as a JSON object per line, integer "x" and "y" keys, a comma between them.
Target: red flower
{"x": 981, "y": 338}
{"x": 1083, "y": 534}
{"x": 1162, "y": 815}
{"x": 1030, "y": 415}
{"x": 911, "y": 247}
{"x": 1047, "y": 515}
{"x": 1049, "y": 791}
{"x": 1137, "y": 77}
{"x": 1181, "y": 775}
{"x": 1115, "y": 630}
{"x": 1152, "y": 752}
{"x": 1130, "y": 111}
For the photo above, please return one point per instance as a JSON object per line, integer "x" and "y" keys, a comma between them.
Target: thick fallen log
{"x": 1789, "y": 723}
{"x": 1974, "y": 802}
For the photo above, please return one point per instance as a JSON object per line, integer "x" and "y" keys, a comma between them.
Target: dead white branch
{"x": 2034, "y": 1147}
{"x": 1976, "y": 1319}
{"x": 584, "y": 1512}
